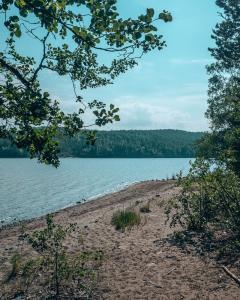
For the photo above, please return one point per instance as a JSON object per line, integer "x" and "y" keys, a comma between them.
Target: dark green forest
{"x": 122, "y": 143}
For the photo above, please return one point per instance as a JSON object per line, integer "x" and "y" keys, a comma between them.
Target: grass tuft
{"x": 125, "y": 219}
{"x": 15, "y": 266}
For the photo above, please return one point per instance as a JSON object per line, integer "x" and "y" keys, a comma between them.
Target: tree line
{"x": 120, "y": 144}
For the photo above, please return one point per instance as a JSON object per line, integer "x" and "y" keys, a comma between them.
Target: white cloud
{"x": 181, "y": 61}
{"x": 176, "y": 107}
{"x": 154, "y": 114}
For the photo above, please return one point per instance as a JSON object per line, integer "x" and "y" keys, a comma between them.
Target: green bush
{"x": 54, "y": 271}
{"x": 209, "y": 195}
{"x": 123, "y": 219}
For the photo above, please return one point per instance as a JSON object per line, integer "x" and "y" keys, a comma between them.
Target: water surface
{"x": 29, "y": 189}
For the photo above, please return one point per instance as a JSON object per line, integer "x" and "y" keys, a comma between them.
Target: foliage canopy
{"x": 210, "y": 193}
{"x": 224, "y": 88}
{"x": 72, "y": 34}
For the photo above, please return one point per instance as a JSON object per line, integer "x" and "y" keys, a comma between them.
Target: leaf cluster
{"x": 73, "y": 36}
{"x": 224, "y": 88}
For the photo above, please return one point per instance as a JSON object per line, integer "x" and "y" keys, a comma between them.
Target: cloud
{"x": 145, "y": 103}
{"x": 181, "y": 61}
{"x": 154, "y": 114}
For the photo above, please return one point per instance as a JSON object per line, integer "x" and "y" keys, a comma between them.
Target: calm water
{"x": 29, "y": 189}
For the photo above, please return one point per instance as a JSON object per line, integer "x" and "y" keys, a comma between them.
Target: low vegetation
{"x": 53, "y": 272}
{"x": 125, "y": 219}
{"x": 209, "y": 200}
{"x": 208, "y": 197}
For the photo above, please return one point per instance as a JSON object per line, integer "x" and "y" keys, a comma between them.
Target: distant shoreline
{"x": 95, "y": 202}
{"x": 63, "y": 157}
{"x": 164, "y": 143}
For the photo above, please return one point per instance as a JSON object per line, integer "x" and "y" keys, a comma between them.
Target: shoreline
{"x": 78, "y": 205}
{"x": 143, "y": 263}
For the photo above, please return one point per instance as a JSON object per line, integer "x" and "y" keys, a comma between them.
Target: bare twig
{"x": 233, "y": 276}
{"x": 170, "y": 271}
{"x": 152, "y": 283}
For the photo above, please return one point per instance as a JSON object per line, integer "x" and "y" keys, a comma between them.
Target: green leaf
{"x": 14, "y": 18}
{"x": 115, "y": 110}
{"x": 78, "y": 27}
{"x": 20, "y": 3}
{"x": 18, "y": 33}
{"x": 150, "y": 12}
{"x": 138, "y": 35}
{"x": 165, "y": 16}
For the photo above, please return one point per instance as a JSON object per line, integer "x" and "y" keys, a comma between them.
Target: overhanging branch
{"x": 14, "y": 71}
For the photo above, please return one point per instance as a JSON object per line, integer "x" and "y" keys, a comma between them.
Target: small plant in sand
{"x": 15, "y": 266}
{"x": 145, "y": 208}
{"x": 49, "y": 243}
{"x": 53, "y": 272}
{"x": 125, "y": 219}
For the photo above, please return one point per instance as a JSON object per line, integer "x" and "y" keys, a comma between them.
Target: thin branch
{"x": 43, "y": 58}
{"x": 111, "y": 49}
{"x": 97, "y": 48}
{"x": 153, "y": 283}
{"x": 233, "y": 276}
{"x": 29, "y": 22}
{"x": 76, "y": 95}
{"x": 31, "y": 33}
{"x": 90, "y": 125}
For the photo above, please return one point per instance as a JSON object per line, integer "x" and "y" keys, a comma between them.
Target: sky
{"x": 168, "y": 88}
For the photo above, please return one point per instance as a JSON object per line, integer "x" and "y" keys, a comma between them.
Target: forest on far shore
{"x": 122, "y": 144}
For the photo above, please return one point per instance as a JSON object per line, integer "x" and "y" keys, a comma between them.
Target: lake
{"x": 29, "y": 189}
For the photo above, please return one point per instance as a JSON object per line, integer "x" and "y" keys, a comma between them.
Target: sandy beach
{"x": 138, "y": 264}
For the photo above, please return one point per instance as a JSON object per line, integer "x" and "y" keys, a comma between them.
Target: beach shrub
{"x": 54, "y": 271}
{"x": 125, "y": 219}
{"x": 49, "y": 243}
{"x": 208, "y": 196}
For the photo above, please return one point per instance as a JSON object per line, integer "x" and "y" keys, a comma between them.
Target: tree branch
{"x": 15, "y": 71}
{"x": 58, "y": 19}
{"x": 97, "y": 48}
{"x": 42, "y": 60}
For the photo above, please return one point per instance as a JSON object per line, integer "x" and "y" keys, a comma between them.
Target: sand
{"x": 141, "y": 263}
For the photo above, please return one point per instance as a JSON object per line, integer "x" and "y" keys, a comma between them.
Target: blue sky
{"x": 168, "y": 89}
